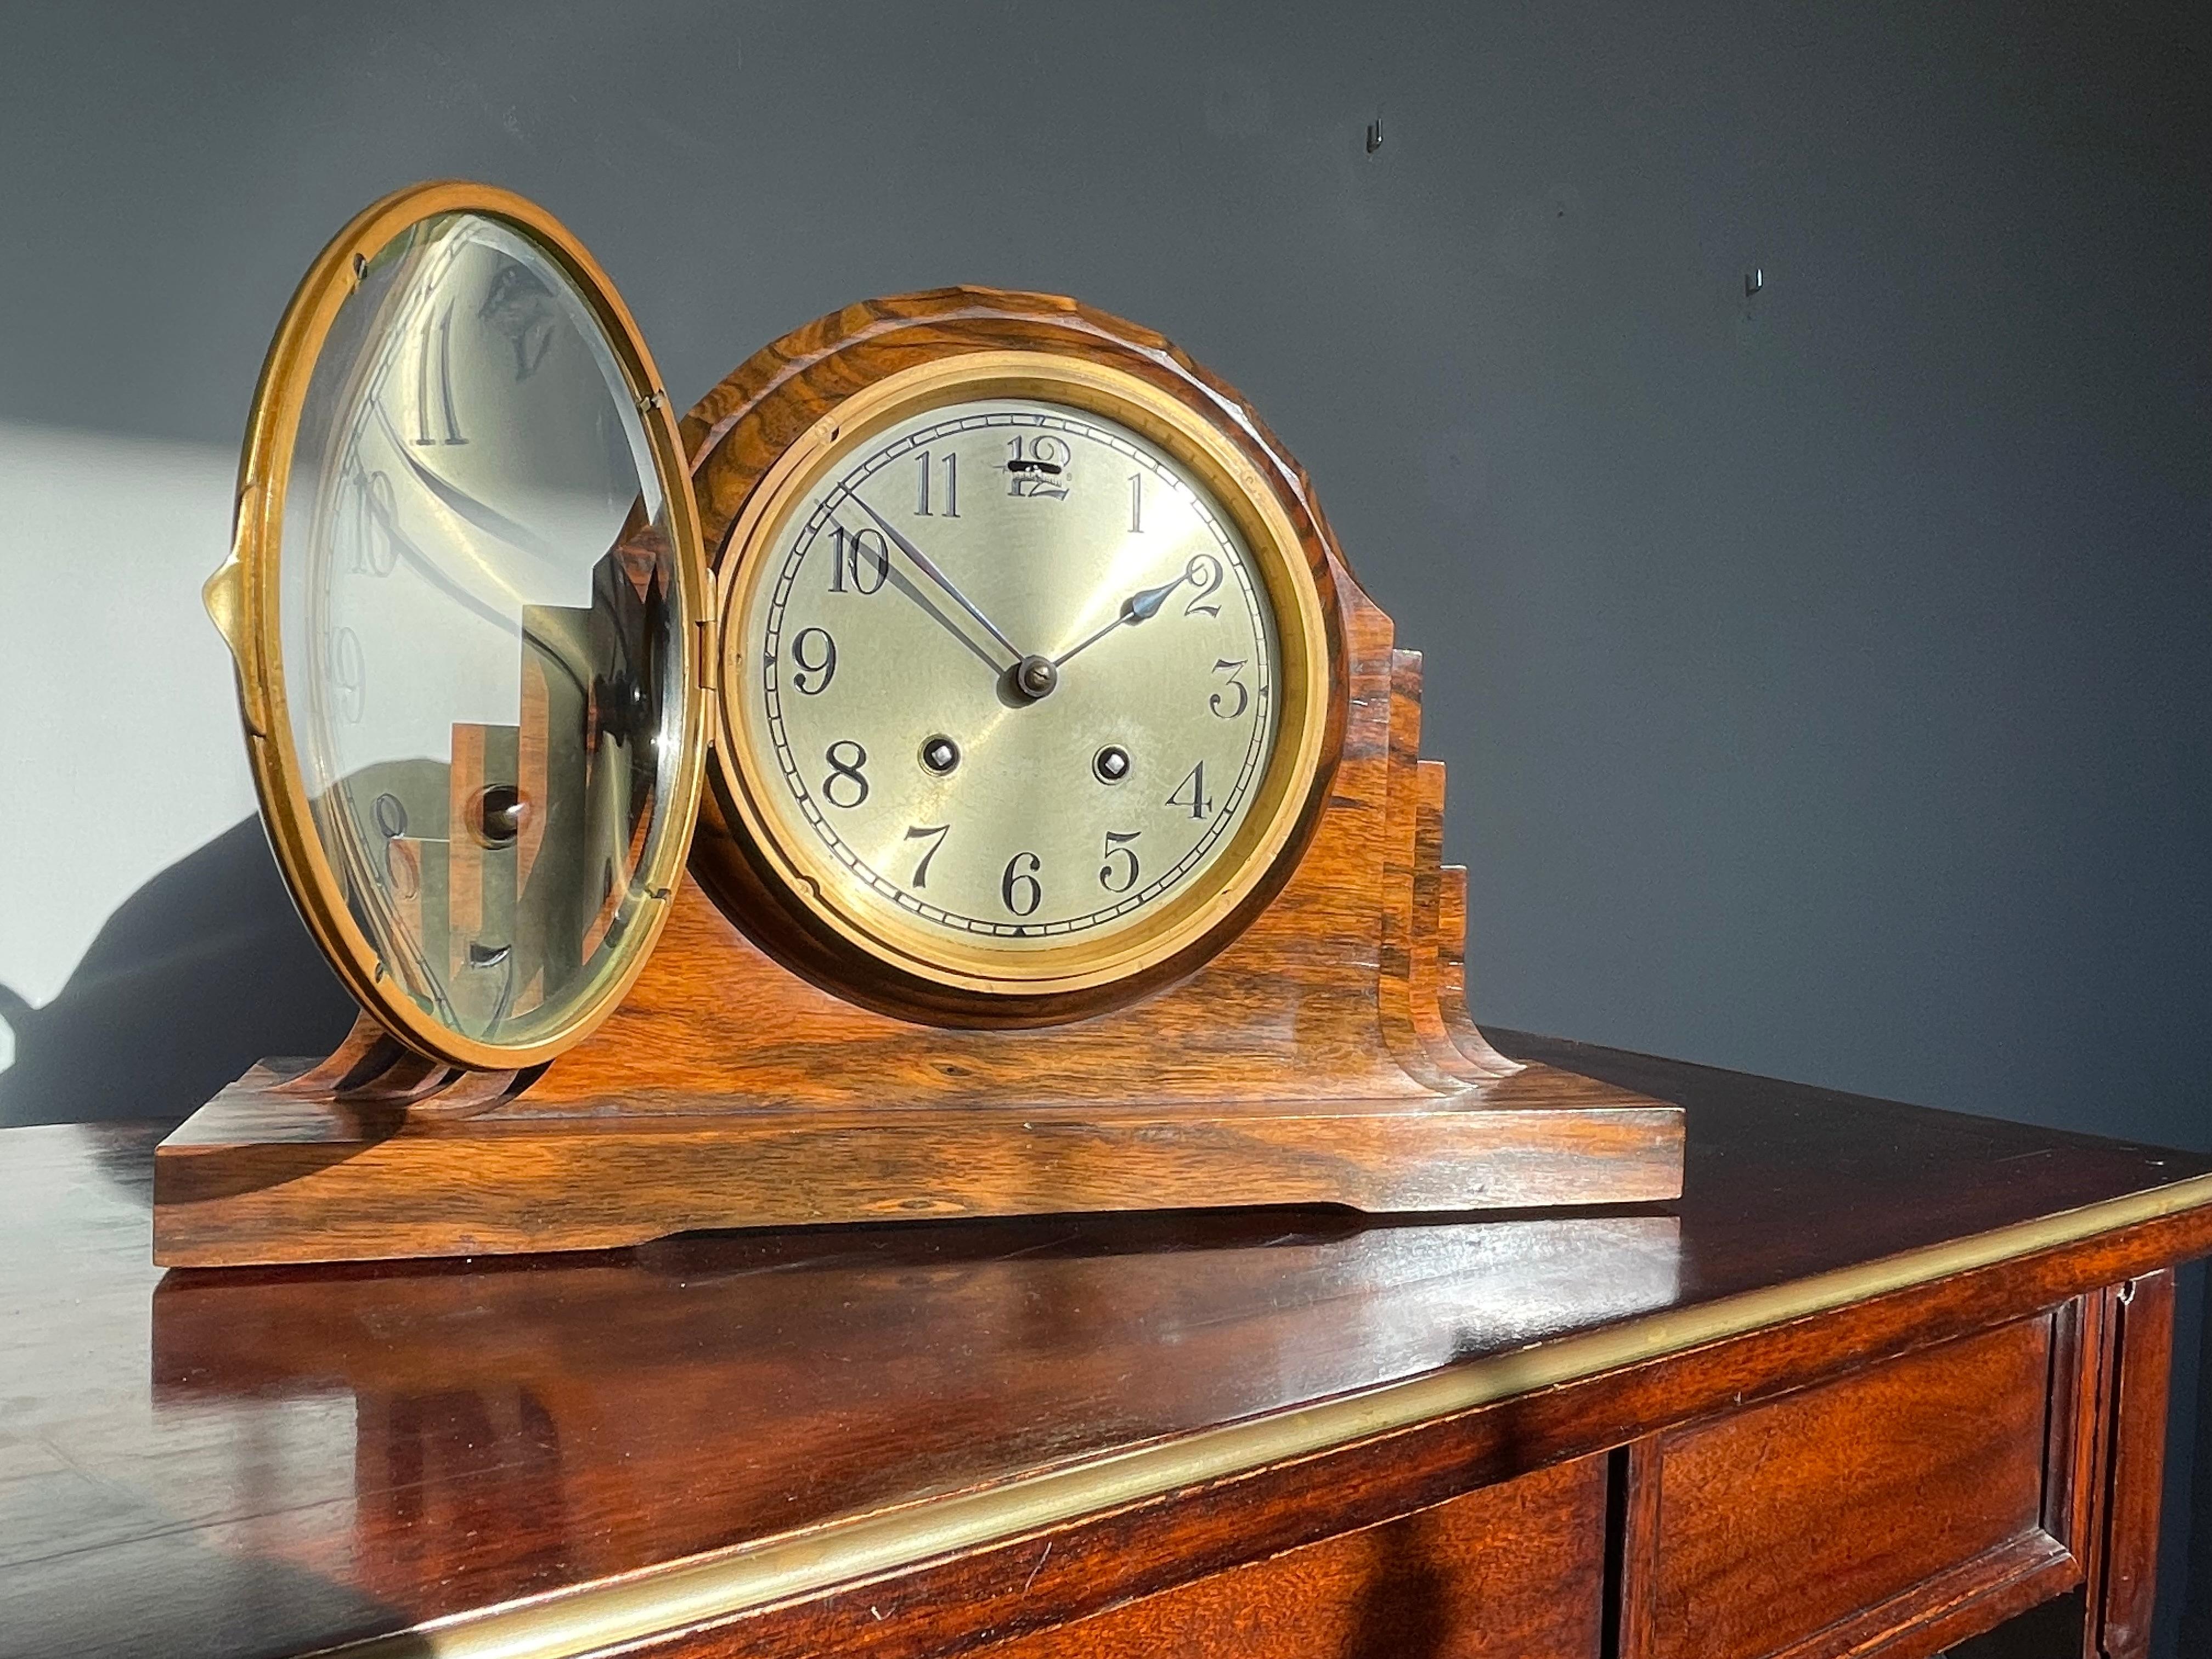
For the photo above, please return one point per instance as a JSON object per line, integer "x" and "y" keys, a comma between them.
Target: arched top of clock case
{"x": 557, "y": 344}
{"x": 739, "y": 432}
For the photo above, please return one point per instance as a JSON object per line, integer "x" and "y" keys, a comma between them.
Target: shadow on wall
{"x": 201, "y": 972}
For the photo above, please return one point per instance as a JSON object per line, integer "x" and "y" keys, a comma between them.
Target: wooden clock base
{"x": 726, "y": 1092}
{"x": 260, "y": 1177}
{"x": 1325, "y": 1056}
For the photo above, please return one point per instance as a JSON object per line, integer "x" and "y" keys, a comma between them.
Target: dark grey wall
{"x": 1823, "y": 676}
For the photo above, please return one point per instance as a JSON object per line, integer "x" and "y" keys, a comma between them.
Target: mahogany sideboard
{"x": 1884, "y": 1379}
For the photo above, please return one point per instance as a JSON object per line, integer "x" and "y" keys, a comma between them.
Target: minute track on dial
{"x": 1032, "y": 838}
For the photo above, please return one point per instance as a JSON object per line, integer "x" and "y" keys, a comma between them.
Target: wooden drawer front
{"x": 1508, "y": 1572}
{"x": 1780, "y": 1521}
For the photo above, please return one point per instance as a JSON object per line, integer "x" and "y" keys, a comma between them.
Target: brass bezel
{"x": 816, "y": 883}
{"x": 243, "y": 597}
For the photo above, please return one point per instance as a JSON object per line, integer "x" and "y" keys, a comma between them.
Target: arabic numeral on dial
{"x": 870, "y": 556}
{"x": 951, "y": 508}
{"x": 822, "y": 663}
{"x": 1244, "y": 695}
{"x": 348, "y": 673}
{"x": 1195, "y": 783}
{"x": 845, "y": 787}
{"x": 1018, "y": 887}
{"x": 858, "y": 559}
{"x": 1118, "y": 848}
{"x": 1203, "y": 572}
{"x": 437, "y": 343}
{"x": 1036, "y": 466}
{"x": 935, "y": 834}
{"x": 371, "y": 533}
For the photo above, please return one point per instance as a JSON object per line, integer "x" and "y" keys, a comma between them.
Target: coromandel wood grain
{"x": 757, "y": 1073}
{"x": 1883, "y": 1379}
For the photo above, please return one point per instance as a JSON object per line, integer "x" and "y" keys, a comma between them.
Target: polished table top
{"x": 270, "y": 1462}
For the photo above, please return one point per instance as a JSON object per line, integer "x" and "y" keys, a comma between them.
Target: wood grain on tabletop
{"x": 293, "y": 1456}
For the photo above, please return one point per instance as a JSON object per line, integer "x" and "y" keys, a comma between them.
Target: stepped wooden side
{"x": 1326, "y": 1055}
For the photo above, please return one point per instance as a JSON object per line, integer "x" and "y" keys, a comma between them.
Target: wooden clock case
{"x": 1324, "y": 1056}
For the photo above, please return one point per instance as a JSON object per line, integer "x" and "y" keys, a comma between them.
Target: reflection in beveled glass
{"x": 478, "y": 611}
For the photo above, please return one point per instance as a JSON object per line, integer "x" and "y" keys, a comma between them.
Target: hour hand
{"x": 1140, "y": 606}
{"x": 1143, "y": 607}
{"x": 927, "y": 566}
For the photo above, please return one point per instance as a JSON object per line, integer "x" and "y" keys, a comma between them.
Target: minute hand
{"x": 1138, "y": 607}
{"x": 923, "y": 563}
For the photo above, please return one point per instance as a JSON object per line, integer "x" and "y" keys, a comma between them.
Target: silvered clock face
{"x": 1009, "y": 678}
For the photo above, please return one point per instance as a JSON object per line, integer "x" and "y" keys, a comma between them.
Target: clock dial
{"x": 481, "y": 634}
{"x": 1007, "y": 678}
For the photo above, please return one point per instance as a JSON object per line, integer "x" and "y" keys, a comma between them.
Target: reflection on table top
{"x": 274, "y": 1461}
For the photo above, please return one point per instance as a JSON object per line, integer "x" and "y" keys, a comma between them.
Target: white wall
{"x": 121, "y": 751}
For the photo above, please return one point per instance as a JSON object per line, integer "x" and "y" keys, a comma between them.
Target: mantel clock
{"x": 952, "y": 771}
